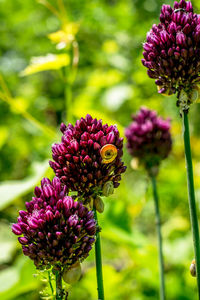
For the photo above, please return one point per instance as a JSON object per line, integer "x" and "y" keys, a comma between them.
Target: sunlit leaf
{"x": 7, "y": 241}
{"x": 18, "y": 279}
{"x": 115, "y": 96}
{"x": 19, "y": 105}
{"x": 48, "y": 62}
{"x": 110, "y": 46}
{"x": 10, "y": 190}
{"x": 101, "y": 79}
{"x": 120, "y": 236}
{"x": 8, "y": 278}
{"x": 65, "y": 36}
{"x": 3, "y": 135}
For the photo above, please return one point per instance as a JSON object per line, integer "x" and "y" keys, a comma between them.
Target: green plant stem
{"x": 68, "y": 102}
{"x": 158, "y": 225}
{"x": 99, "y": 272}
{"x": 59, "y": 290}
{"x": 69, "y": 80}
{"x": 50, "y": 284}
{"x": 45, "y": 129}
{"x": 191, "y": 196}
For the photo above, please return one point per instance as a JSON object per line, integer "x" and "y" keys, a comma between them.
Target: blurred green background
{"x": 110, "y": 84}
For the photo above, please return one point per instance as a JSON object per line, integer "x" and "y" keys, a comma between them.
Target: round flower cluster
{"x": 149, "y": 138}
{"x": 172, "y": 50}
{"x": 55, "y": 230}
{"x": 88, "y": 157}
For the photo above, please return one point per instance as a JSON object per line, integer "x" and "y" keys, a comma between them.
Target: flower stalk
{"x": 98, "y": 259}
{"x": 158, "y": 225}
{"x": 50, "y": 284}
{"x": 191, "y": 196}
{"x": 68, "y": 102}
{"x": 59, "y": 289}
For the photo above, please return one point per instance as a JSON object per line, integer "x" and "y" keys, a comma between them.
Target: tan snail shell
{"x": 108, "y": 153}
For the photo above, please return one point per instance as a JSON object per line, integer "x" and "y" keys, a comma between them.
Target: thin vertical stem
{"x": 50, "y": 284}
{"x": 158, "y": 225}
{"x": 191, "y": 197}
{"x": 98, "y": 258}
{"x": 59, "y": 290}
{"x": 69, "y": 82}
{"x": 68, "y": 102}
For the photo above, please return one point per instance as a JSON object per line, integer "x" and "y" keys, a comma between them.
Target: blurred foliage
{"x": 111, "y": 84}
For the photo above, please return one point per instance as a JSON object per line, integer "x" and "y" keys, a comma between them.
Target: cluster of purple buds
{"x": 88, "y": 157}
{"x": 55, "y": 230}
{"x": 148, "y": 138}
{"x": 172, "y": 50}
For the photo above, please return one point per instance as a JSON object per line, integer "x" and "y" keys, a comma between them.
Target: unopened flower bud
{"x": 108, "y": 188}
{"x": 194, "y": 95}
{"x": 193, "y": 268}
{"x": 98, "y": 204}
{"x": 73, "y": 274}
{"x": 134, "y": 163}
{"x": 153, "y": 171}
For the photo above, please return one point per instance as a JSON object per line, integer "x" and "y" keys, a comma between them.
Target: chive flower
{"x": 55, "y": 230}
{"x": 88, "y": 157}
{"x": 172, "y": 49}
{"x": 148, "y": 138}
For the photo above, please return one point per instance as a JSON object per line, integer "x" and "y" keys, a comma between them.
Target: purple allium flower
{"x": 88, "y": 156}
{"x": 149, "y": 138}
{"x": 55, "y": 230}
{"x": 172, "y": 50}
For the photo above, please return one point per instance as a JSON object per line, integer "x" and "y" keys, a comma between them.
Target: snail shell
{"x": 108, "y": 153}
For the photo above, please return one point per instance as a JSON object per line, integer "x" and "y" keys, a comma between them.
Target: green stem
{"x": 69, "y": 80}
{"x": 59, "y": 289}
{"x": 99, "y": 272}
{"x": 158, "y": 225}
{"x": 191, "y": 197}
{"x": 68, "y": 102}
{"x": 50, "y": 284}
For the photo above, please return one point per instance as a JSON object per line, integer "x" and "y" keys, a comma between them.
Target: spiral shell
{"x": 108, "y": 153}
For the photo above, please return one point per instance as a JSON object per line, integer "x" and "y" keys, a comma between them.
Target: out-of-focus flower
{"x": 65, "y": 36}
{"x": 55, "y": 230}
{"x": 172, "y": 50}
{"x": 88, "y": 157}
{"x": 149, "y": 138}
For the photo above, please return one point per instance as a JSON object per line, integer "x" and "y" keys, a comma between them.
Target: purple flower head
{"x": 55, "y": 230}
{"x": 149, "y": 138}
{"x": 172, "y": 50}
{"x": 88, "y": 156}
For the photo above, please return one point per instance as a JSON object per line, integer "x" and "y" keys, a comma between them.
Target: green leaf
{"x": 3, "y": 135}
{"x": 48, "y": 62}
{"x": 120, "y": 236}
{"x": 11, "y": 190}
{"x": 7, "y": 241}
{"x": 18, "y": 279}
{"x": 8, "y": 278}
